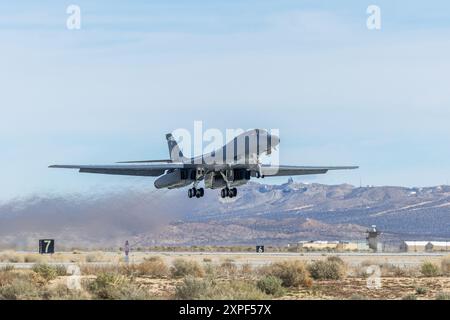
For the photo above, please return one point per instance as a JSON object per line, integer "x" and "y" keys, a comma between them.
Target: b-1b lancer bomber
{"x": 226, "y": 168}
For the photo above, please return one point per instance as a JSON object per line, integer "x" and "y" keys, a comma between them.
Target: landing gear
{"x": 194, "y": 192}
{"x": 228, "y": 192}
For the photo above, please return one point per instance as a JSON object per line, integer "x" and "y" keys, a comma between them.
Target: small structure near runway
{"x": 372, "y": 239}
{"x": 332, "y": 246}
{"x": 425, "y": 246}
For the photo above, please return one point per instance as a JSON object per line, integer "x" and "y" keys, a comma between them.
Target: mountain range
{"x": 261, "y": 213}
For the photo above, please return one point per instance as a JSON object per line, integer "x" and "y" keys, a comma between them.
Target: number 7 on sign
{"x": 47, "y": 244}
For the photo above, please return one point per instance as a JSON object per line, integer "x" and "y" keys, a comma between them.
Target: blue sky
{"x": 339, "y": 93}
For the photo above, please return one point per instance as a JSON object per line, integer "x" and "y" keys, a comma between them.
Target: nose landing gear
{"x": 194, "y": 192}
{"x": 228, "y": 192}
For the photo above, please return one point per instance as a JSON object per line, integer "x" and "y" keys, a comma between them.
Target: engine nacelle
{"x": 172, "y": 179}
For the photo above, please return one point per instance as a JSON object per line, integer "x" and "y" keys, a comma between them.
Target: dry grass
{"x": 205, "y": 289}
{"x": 75, "y": 257}
{"x": 95, "y": 257}
{"x": 445, "y": 265}
{"x": 153, "y": 267}
{"x": 95, "y": 269}
{"x": 33, "y": 258}
{"x": 11, "y": 256}
{"x": 246, "y": 269}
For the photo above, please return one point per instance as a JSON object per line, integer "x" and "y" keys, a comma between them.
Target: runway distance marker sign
{"x": 46, "y": 246}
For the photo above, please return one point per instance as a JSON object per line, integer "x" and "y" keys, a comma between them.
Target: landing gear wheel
{"x": 232, "y": 193}
{"x": 223, "y": 193}
{"x": 198, "y": 192}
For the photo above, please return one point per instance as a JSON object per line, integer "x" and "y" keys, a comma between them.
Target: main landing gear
{"x": 194, "y": 192}
{"x": 228, "y": 192}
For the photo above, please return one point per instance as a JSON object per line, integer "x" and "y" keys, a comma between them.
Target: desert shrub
{"x": 235, "y": 290}
{"x": 62, "y": 292}
{"x": 49, "y": 272}
{"x": 154, "y": 267}
{"x": 19, "y": 287}
{"x": 291, "y": 273}
{"x": 192, "y": 288}
{"x": 421, "y": 290}
{"x": 445, "y": 265}
{"x": 205, "y": 289}
{"x": 106, "y": 285}
{"x": 328, "y": 269}
{"x": 336, "y": 259}
{"x": 210, "y": 270}
{"x": 110, "y": 286}
{"x": 443, "y": 296}
{"x": 270, "y": 285}
{"x": 360, "y": 271}
{"x": 132, "y": 291}
{"x": 410, "y": 297}
{"x": 429, "y": 269}
{"x": 182, "y": 268}
{"x": 61, "y": 270}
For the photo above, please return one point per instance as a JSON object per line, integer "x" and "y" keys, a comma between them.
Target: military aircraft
{"x": 225, "y": 168}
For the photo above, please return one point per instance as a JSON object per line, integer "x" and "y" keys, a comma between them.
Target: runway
{"x": 252, "y": 258}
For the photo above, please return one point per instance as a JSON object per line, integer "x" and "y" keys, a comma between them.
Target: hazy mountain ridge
{"x": 260, "y": 213}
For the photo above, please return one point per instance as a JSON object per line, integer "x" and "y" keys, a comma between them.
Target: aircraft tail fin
{"x": 174, "y": 150}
